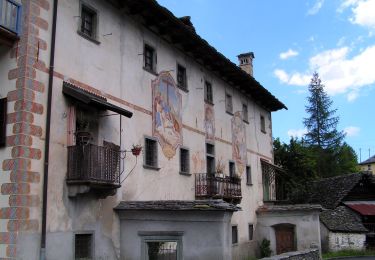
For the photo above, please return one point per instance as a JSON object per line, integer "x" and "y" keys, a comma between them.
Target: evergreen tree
{"x": 322, "y": 122}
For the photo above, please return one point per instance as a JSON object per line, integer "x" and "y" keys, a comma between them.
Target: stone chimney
{"x": 246, "y": 62}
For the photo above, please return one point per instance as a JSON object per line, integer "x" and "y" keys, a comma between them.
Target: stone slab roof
{"x": 178, "y": 205}
{"x": 368, "y": 161}
{"x": 289, "y": 207}
{"x": 342, "y": 219}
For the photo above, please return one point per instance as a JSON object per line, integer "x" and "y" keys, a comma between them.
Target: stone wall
{"x": 297, "y": 255}
{"x": 341, "y": 241}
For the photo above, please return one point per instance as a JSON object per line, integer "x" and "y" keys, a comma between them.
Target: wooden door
{"x": 284, "y": 238}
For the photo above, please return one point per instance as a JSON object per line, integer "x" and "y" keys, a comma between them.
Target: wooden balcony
{"x": 94, "y": 167}
{"x": 208, "y": 186}
{"x": 10, "y": 22}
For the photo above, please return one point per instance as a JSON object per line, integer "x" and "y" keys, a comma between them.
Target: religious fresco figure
{"x": 166, "y": 113}
{"x": 209, "y": 122}
{"x": 239, "y": 142}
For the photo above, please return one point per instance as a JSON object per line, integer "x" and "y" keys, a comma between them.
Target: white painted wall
{"x": 340, "y": 241}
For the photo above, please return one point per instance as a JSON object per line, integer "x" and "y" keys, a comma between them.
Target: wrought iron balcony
{"x": 208, "y": 186}
{"x": 95, "y": 166}
{"x": 10, "y": 21}
{"x": 273, "y": 183}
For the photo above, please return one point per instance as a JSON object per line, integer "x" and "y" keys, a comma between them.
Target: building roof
{"x": 342, "y": 219}
{"x": 365, "y": 208}
{"x": 179, "y": 32}
{"x": 368, "y": 161}
{"x": 330, "y": 192}
{"x": 288, "y": 207}
{"x": 178, "y": 205}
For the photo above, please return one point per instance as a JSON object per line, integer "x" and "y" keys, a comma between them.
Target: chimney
{"x": 246, "y": 62}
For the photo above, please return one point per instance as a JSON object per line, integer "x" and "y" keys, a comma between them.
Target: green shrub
{"x": 265, "y": 250}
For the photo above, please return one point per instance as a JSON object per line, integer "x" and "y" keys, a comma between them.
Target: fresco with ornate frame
{"x": 209, "y": 122}
{"x": 166, "y": 113}
{"x": 239, "y": 142}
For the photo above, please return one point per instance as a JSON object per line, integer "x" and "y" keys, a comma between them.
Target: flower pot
{"x": 136, "y": 151}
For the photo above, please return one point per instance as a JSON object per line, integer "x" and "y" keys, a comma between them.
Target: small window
{"x": 262, "y": 124}
{"x": 248, "y": 176}
{"x": 251, "y": 231}
{"x": 3, "y": 121}
{"x": 369, "y": 167}
{"x": 151, "y": 153}
{"x": 210, "y": 158}
{"x": 83, "y": 246}
{"x": 88, "y": 21}
{"x": 184, "y": 161}
{"x": 245, "y": 113}
{"x": 234, "y": 235}
{"x": 228, "y": 103}
{"x": 208, "y": 96}
{"x": 232, "y": 169}
{"x": 149, "y": 58}
{"x": 181, "y": 77}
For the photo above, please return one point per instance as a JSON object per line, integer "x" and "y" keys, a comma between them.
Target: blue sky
{"x": 291, "y": 39}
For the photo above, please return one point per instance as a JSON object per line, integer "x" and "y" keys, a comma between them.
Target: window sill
{"x": 209, "y": 102}
{"x": 91, "y": 39}
{"x": 150, "y": 71}
{"x": 185, "y": 173}
{"x": 249, "y": 184}
{"x": 150, "y": 167}
{"x": 246, "y": 121}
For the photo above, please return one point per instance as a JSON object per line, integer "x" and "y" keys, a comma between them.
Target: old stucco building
{"x": 82, "y": 82}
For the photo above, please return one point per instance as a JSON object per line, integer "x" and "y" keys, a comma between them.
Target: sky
{"x": 291, "y": 39}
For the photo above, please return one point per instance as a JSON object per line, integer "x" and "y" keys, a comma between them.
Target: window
{"x": 248, "y": 176}
{"x": 184, "y": 161}
{"x": 151, "y": 153}
{"x": 149, "y": 54}
{"x": 83, "y": 246}
{"x": 3, "y": 121}
{"x": 89, "y": 21}
{"x": 369, "y": 167}
{"x": 165, "y": 246}
{"x": 245, "y": 113}
{"x": 232, "y": 169}
{"x": 228, "y": 103}
{"x": 262, "y": 124}
{"x": 181, "y": 77}
{"x": 251, "y": 231}
{"x": 210, "y": 158}
{"x": 208, "y": 96}
{"x": 234, "y": 235}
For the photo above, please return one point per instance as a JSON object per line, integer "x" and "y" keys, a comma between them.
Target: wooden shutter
{"x": 3, "y": 121}
{"x": 71, "y": 126}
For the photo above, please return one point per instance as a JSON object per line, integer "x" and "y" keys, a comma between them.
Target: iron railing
{"x": 273, "y": 182}
{"x": 10, "y": 16}
{"x": 93, "y": 164}
{"x": 209, "y": 186}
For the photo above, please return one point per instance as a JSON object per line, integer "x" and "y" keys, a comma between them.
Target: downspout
{"x": 48, "y": 130}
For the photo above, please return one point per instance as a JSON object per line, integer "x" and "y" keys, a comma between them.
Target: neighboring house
{"x": 347, "y": 221}
{"x": 368, "y": 165}
{"x": 82, "y": 82}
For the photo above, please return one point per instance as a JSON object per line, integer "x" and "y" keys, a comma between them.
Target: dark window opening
{"x": 234, "y": 235}
{"x": 251, "y": 231}
{"x": 262, "y": 124}
{"x": 245, "y": 113}
{"x": 184, "y": 161}
{"x": 151, "y": 153}
{"x": 149, "y": 58}
{"x": 3, "y": 121}
{"x": 248, "y": 176}
{"x": 228, "y": 103}
{"x": 232, "y": 169}
{"x": 181, "y": 77}
{"x": 208, "y": 95}
{"x": 83, "y": 246}
{"x": 210, "y": 158}
{"x": 88, "y": 21}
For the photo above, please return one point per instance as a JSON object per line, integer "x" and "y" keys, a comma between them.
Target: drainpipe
{"x": 48, "y": 130}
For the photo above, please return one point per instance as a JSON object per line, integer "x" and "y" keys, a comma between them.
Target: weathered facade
{"x": 84, "y": 82}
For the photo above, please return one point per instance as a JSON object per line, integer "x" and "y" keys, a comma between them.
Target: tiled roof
{"x": 369, "y": 160}
{"x": 342, "y": 219}
{"x": 177, "y": 205}
{"x": 330, "y": 192}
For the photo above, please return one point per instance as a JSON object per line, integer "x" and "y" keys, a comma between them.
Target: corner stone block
{"x": 15, "y": 188}
{"x": 8, "y": 237}
{"x": 17, "y": 164}
{"x": 14, "y": 213}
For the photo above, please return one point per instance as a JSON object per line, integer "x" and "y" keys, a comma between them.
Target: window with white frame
{"x": 89, "y": 22}
{"x": 184, "y": 161}
{"x": 149, "y": 57}
{"x": 151, "y": 153}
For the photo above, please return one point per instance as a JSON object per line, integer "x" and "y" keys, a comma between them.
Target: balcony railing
{"x": 10, "y": 21}
{"x": 273, "y": 183}
{"x": 208, "y": 186}
{"x": 93, "y": 165}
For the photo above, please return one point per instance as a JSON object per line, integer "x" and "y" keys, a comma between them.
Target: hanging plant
{"x": 136, "y": 149}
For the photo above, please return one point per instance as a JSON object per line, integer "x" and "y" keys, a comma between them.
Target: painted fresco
{"x": 166, "y": 114}
{"x": 209, "y": 122}
{"x": 239, "y": 142}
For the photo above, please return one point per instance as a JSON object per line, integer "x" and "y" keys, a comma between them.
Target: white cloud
{"x": 316, "y": 7}
{"x": 352, "y": 131}
{"x": 297, "y": 133}
{"x": 288, "y": 54}
{"x": 363, "y": 12}
{"x": 339, "y": 73}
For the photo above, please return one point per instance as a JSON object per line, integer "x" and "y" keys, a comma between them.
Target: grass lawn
{"x": 348, "y": 253}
